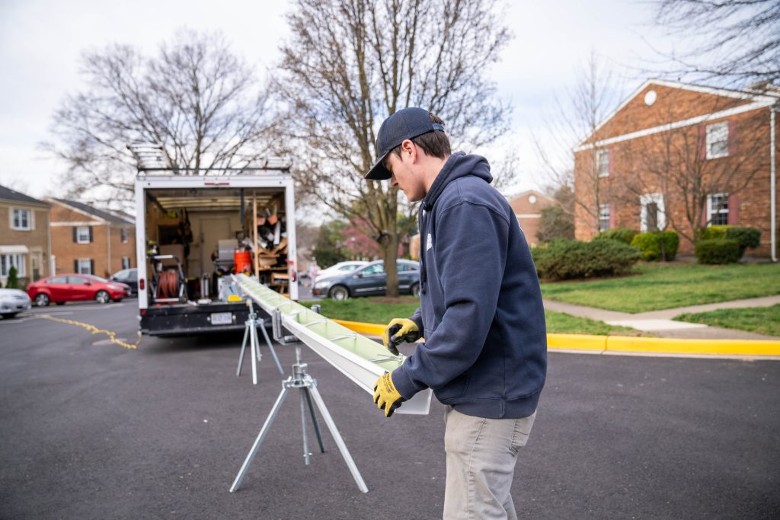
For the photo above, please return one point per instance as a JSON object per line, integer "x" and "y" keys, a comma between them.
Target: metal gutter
{"x": 356, "y": 356}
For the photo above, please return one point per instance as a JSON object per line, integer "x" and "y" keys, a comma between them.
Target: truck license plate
{"x": 222, "y": 318}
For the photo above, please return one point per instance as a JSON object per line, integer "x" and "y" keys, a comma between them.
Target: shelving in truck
{"x": 194, "y": 229}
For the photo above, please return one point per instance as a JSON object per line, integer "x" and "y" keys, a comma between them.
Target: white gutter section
{"x": 359, "y": 358}
{"x": 772, "y": 184}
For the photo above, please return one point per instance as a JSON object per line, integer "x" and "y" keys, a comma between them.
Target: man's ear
{"x": 407, "y": 147}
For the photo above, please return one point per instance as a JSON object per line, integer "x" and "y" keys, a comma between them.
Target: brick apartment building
{"x": 89, "y": 240}
{"x": 682, "y": 157}
{"x": 528, "y": 208}
{"x": 25, "y": 242}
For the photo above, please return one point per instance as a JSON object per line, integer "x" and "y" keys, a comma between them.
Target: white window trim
{"x": 605, "y": 212}
{"x": 124, "y": 235}
{"x": 646, "y": 199}
{"x": 712, "y": 211}
{"x": 84, "y": 262}
{"x": 79, "y": 237}
{"x": 599, "y": 155}
{"x": 17, "y": 260}
{"x": 30, "y": 219}
{"x": 125, "y": 262}
{"x": 713, "y": 130}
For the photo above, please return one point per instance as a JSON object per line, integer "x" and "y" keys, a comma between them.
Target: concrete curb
{"x": 632, "y": 345}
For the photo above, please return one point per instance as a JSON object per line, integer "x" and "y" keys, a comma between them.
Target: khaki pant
{"x": 481, "y": 455}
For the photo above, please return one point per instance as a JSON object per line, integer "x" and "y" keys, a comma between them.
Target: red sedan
{"x": 63, "y": 288}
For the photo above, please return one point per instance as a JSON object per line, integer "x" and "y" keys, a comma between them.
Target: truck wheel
{"x": 339, "y": 293}
{"x": 102, "y": 297}
{"x": 414, "y": 290}
{"x": 41, "y": 300}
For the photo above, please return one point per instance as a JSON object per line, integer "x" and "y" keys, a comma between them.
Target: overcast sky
{"x": 41, "y": 42}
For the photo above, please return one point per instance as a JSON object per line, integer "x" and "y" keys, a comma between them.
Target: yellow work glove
{"x": 386, "y": 396}
{"x": 398, "y": 331}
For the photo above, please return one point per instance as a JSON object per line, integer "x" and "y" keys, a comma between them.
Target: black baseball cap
{"x": 407, "y": 123}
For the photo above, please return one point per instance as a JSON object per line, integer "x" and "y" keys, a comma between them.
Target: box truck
{"x": 195, "y": 229}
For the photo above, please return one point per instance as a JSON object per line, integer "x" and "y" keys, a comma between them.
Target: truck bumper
{"x": 183, "y": 320}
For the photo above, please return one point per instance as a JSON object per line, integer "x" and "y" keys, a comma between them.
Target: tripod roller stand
{"x": 307, "y": 387}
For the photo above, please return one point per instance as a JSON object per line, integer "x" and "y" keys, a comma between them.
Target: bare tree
{"x": 578, "y": 114}
{"x": 195, "y": 98}
{"x": 728, "y": 40}
{"x": 351, "y": 63}
{"x": 675, "y": 164}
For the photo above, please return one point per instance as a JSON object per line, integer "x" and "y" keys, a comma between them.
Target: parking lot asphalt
{"x": 92, "y": 429}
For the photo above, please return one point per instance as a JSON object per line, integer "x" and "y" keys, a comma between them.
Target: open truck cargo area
{"x": 195, "y": 230}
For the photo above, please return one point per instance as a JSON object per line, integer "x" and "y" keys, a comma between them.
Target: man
{"x": 481, "y": 314}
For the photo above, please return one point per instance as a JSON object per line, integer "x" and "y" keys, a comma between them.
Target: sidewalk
{"x": 661, "y": 323}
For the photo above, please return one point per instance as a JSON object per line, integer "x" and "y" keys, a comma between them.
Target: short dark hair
{"x": 435, "y": 144}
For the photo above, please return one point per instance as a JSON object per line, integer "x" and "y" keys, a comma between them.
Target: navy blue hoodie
{"x": 481, "y": 314}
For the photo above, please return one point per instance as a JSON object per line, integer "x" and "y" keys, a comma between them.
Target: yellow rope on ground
{"x": 94, "y": 330}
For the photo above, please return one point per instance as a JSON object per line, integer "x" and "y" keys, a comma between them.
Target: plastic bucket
{"x": 242, "y": 261}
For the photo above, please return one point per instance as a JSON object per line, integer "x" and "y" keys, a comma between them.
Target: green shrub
{"x": 13, "y": 280}
{"x": 571, "y": 259}
{"x": 657, "y": 245}
{"x": 747, "y": 237}
{"x": 713, "y": 232}
{"x": 624, "y": 235}
{"x": 717, "y": 251}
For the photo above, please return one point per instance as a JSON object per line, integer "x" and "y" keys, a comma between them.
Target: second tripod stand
{"x": 250, "y": 334}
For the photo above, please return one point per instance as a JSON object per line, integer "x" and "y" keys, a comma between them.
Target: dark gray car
{"x": 129, "y": 277}
{"x": 370, "y": 280}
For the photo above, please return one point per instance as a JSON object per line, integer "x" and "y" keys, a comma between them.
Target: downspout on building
{"x": 772, "y": 184}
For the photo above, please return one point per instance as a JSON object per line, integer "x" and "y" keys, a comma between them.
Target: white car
{"x": 12, "y": 302}
{"x": 339, "y": 269}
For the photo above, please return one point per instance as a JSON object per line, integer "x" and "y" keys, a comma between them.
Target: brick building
{"x": 528, "y": 208}
{"x": 682, "y": 157}
{"x": 25, "y": 242}
{"x": 89, "y": 240}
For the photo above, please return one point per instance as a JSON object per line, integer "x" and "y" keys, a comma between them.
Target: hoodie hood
{"x": 458, "y": 165}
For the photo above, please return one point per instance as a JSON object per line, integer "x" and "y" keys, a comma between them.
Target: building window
{"x": 653, "y": 214}
{"x": 13, "y": 260}
{"x": 718, "y": 209}
{"x": 84, "y": 266}
{"x": 125, "y": 262}
{"x": 717, "y": 140}
{"x": 123, "y": 234}
{"x": 602, "y": 162}
{"x": 21, "y": 219}
{"x": 83, "y": 235}
{"x": 604, "y": 217}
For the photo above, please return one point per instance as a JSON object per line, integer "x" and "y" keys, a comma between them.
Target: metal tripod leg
{"x": 250, "y": 333}
{"x": 271, "y": 347}
{"x": 334, "y": 431}
{"x": 243, "y": 348}
{"x": 306, "y": 401}
{"x": 259, "y": 439}
{"x": 308, "y": 387}
{"x": 314, "y": 421}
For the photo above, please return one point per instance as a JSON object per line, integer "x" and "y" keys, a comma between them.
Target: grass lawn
{"x": 761, "y": 320}
{"x": 666, "y": 286}
{"x": 382, "y": 310}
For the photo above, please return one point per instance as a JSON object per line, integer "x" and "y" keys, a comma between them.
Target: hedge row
{"x": 609, "y": 253}
{"x": 570, "y": 259}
